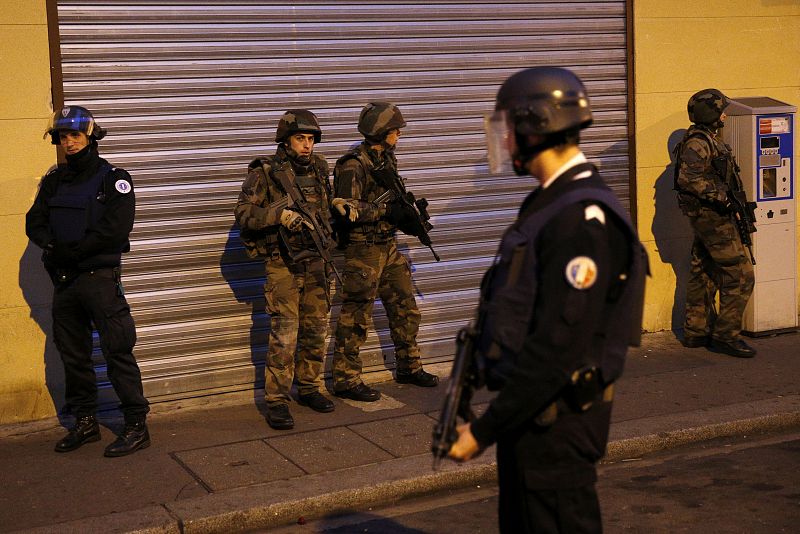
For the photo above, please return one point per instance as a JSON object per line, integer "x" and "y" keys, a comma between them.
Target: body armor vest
{"x": 508, "y": 293}
{"x": 75, "y": 208}
{"x": 376, "y": 231}
{"x": 313, "y": 190}
{"x": 722, "y": 165}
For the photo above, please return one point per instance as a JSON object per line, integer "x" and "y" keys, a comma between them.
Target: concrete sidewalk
{"x": 215, "y": 465}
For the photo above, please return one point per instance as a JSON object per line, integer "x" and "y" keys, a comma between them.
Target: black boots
{"x": 360, "y": 392}
{"x": 317, "y": 402}
{"x": 86, "y": 430}
{"x": 279, "y": 418}
{"x": 420, "y": 378}
{"x": 134, "y": 437}
{"x": 737, "y": 348}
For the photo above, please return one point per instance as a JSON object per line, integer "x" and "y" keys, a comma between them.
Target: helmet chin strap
{"x": 526, "y": 152}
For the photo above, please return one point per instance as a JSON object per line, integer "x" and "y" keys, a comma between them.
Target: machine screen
{"x": 770, "y": 142}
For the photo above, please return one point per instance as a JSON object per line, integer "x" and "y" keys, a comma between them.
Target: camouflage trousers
{"x": 298, "y": 302}
{"x": 370, "y": 271}
{"x": 718, "y": 264}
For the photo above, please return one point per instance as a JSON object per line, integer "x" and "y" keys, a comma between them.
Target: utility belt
{"x": 369, "y": 235}
{"x": 584, "y": 390}
{"x": 694, "y": 202}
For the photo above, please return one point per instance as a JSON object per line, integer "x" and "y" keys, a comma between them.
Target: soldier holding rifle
{"x": 284, "y": 215}
{"x": 710, "y": 194}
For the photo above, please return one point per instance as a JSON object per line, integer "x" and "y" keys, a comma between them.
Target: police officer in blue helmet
{"x": 82, "y": 218}
{"x": 558, "y": 310}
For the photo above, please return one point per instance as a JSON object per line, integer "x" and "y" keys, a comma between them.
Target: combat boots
{"x": 419, "y": 378}
{"x": 86, "y": 430}
{"x": 279, "y": 418}
{"x": 737, "y": 348}
{"x": 134, "y": 437}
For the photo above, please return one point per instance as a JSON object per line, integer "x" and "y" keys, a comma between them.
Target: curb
{"x": 197, "y": 516}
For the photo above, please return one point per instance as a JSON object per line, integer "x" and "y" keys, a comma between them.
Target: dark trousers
{"x": 92, "y": 299}
{"x": 547, "y": 475}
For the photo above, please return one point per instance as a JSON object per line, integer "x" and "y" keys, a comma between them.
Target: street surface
{"x": 744, "y": 484}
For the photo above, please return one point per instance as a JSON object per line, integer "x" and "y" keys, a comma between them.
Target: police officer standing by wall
{"x": 81, "y": 218}
{"x": 703, "y": 180}
{"x": 558, "y": 311}
{"x": 284, "y": 199}
{"x": 373, "y": 265}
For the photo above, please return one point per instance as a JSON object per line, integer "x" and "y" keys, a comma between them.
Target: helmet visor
{"x": 78, "y": 122}
{"x": 500, "y": 141}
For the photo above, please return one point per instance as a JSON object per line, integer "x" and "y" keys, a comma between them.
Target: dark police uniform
{"x": 87, "y": 208}
{"x": 547, "y": 446}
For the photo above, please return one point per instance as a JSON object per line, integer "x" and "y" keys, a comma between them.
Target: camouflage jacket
{"x": 262, "y": 199}
{"x": 353, "y": 180}
{"x": 697, "y": 180}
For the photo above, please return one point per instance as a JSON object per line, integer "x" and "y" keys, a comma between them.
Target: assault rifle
{"x": 316, "y": 225}
{"x": 744, "y": 215}
{"x": 744, "y": 212}
{"x": 415, "y": 211}
{"x": 463, "y": 383}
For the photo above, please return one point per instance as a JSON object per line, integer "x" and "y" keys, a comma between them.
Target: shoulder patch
{"x": 123, "y": 186}
{"x": 581, "y": 272}
{"x": 594, "y": 212}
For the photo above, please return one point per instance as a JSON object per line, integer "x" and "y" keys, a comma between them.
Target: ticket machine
{"x": 760, "y": 130}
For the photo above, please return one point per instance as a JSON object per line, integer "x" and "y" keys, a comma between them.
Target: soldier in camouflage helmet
{"x": 719, "y": 263}
{"x": 297, "y": 280}
{"x": 373, "y": 265}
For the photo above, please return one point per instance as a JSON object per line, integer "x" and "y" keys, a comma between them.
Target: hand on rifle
{"x": 346, "y": 208}
{"x": 466, "y": 446}
{"x": 293, "y": 221}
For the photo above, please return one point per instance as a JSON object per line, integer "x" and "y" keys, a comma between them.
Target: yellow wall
{"x": 743, "y": 48}
{"x": 25, "y": 108}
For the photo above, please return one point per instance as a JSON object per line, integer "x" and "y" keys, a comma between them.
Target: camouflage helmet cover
{"x": 74, "y": 118}
{"x": 298, "y": 121}
{"x": 706, "y": 106}
{"x": 379, "y": 118}
{"x": 545, "y": 100}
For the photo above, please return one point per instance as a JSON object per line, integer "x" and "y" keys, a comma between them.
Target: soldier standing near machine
{"x": 706, "y": 182}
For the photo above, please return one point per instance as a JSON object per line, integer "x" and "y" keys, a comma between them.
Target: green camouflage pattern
{"x": 696, "y": 178}
{"x": 298, "y": 120}
{"x": 377, "y": 270}
{"x": 353, "y": 181}
{"x": 298, "y": 302}
{"x": 377, "y": 119}
{"x": 258, "y": 209}
{"x": 706, "y": 107}
{"x": 718, "y": 264}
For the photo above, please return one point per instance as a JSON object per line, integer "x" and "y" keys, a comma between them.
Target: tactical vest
{"x": 77, "y": 207}
{"x": 508, "y": 294}
{"x": 376, "y": 231}
{"x": 315, "y": 191}
{"x": 722, "y": 165}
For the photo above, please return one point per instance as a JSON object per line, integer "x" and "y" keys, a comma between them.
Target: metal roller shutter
{"x": 191, "y": 91}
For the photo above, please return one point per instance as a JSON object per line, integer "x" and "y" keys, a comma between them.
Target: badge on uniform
{"x": 123, "y": 186}
{"x": 581, "y": 272}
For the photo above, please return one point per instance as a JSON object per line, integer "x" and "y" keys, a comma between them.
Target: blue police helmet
{"x": 74, "y": 118}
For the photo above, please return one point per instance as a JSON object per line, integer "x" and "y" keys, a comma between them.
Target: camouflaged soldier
{"x": 297, "y": 280}
{"x": 719, "y": 262}
{"x": 373, "y": 265}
